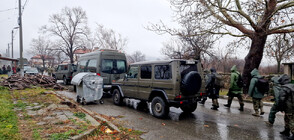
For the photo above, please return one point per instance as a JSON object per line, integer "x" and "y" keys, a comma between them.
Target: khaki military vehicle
{"x": 111, "y": 65}
{"x": 163, "y": 83}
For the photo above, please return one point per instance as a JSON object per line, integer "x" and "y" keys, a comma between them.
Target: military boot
{"x": 261, "y": 111}
{"x": 241, "y": 108}
{"x": 286, "y": 132}
{"x": 256, "y": 114}
{"x": 229, "y": 104}
{"x": 291, "y": 137}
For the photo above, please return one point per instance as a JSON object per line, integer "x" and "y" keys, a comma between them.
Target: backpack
{"x": 218, "y": 80}
{"x": 286, "y": 98}
{"x": 240, "y": 83}
{"x": 262, "y": 85}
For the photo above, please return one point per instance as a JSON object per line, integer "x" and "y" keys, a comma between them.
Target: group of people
{"x": 213, "y": 84}
{"x": 283, "y": 92}
{"x": 8, "y": 70}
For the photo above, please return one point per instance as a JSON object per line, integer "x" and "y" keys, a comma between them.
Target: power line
{"x": 23, "y": 7}
{"x": 8, "y": 9}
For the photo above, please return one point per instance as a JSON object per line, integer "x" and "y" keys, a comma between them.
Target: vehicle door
{"x": 58, "y": 73}
{"x": 65, "y": 71}
{"x": 145, "y": 82}
{"x": 130, "y": 83}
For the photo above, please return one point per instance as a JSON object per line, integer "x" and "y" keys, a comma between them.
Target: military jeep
{"x": 163, "y": 83}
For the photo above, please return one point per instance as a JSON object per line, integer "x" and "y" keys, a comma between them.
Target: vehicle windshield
{"x": 32, "y": 70}
{"x": 74, "y": 67}
{"x": 111, "y": 66}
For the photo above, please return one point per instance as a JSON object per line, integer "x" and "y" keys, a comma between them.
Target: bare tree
{"x": 252, "y": 19}
{"x": 188, "y": 47}
{"x": 137, "y": 56}
{"x": 109, "y": 39}
{"x": 279, "y": 48}
{"x": 70, "y": 27}
{"x": 41, "y": 47}
{"x": 174, "y": 49}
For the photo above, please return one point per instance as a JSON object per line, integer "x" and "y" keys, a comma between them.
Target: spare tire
{"x": 191, "y": 83}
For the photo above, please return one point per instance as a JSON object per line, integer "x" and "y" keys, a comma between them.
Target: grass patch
{"x": 80, "y": 115}
{"x": 63, "y": 136}
{"x": 8, "y": 118}
{"x": 3, "y": 75}
{"x": 36, "y": 135}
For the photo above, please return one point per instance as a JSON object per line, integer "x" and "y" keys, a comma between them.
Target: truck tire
{"x": 117, "y": 98}
{"x": 189, "y": 108}
{"x": 159, "y": 107}
{"x": 191, "y": 83}
{"x": 78, "y": 99}
{"x": 65, "y": 81}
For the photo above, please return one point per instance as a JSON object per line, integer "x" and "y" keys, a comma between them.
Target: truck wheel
{"x": 78, "y": 99}
{"x": 117, "y": 98}
{"x": 159, "y": 107}
{"x": 84, "y": 101}
{"x": 189, "y": 108}
{"x": 65, "y": 80}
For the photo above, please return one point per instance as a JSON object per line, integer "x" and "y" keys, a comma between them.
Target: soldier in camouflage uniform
{"x": 286, "y": 104}
{"x": 204, "y": 97}
{"x": 255, "y": 94}
{"x": 284, "y": 79}
{"x": 235, "y": 90}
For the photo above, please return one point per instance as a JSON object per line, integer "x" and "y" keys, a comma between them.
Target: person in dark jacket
{"x": 286, "y": 104}
{"x": 204, "y": 97}
{"x": 213, "y": 89}
{"x": 235, "y": 90}
{"x": 4, "y": 69}
{"x": 255, "y": 94}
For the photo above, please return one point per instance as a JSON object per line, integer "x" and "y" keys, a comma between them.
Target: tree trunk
{"x": 43, "y": 60}
{"x": 279, "y": 66}
{"x": 253, "y": 58}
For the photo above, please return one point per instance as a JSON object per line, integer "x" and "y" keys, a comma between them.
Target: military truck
{"x": 162, "y": 83}
{"x": 110, "y": 64}
{"x": 64, "y": 72}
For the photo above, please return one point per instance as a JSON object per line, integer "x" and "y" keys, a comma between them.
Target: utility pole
{"x": 20, "y": 39}
{"x": 8, "y": 53}
{"x": 12, "y": 43}
{"x": 12, "y": 37}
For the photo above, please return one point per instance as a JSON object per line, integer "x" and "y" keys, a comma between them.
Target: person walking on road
{"x": 212, "y": 88}
{"x": 286, "y": 104}
{"x": 255, "y": 94}
{"x": 206, "y": 77}
{"x": 277, "y": 81}
{"x": 235, "y": 89}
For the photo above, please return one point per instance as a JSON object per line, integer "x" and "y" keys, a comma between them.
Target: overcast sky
{"x": 127, "y": 17}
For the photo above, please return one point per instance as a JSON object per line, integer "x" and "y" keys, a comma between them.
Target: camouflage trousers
{"x": 239, "y": 96}
{"x": 272, "y": 113}
{"x": 289, "y": 122}
{"x": 257, "y": 104}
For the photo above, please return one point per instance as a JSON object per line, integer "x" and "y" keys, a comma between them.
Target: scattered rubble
{"x": 17, "y": 82}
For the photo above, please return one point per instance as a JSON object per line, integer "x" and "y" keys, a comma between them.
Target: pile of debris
{"x": 17, "y": 82}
